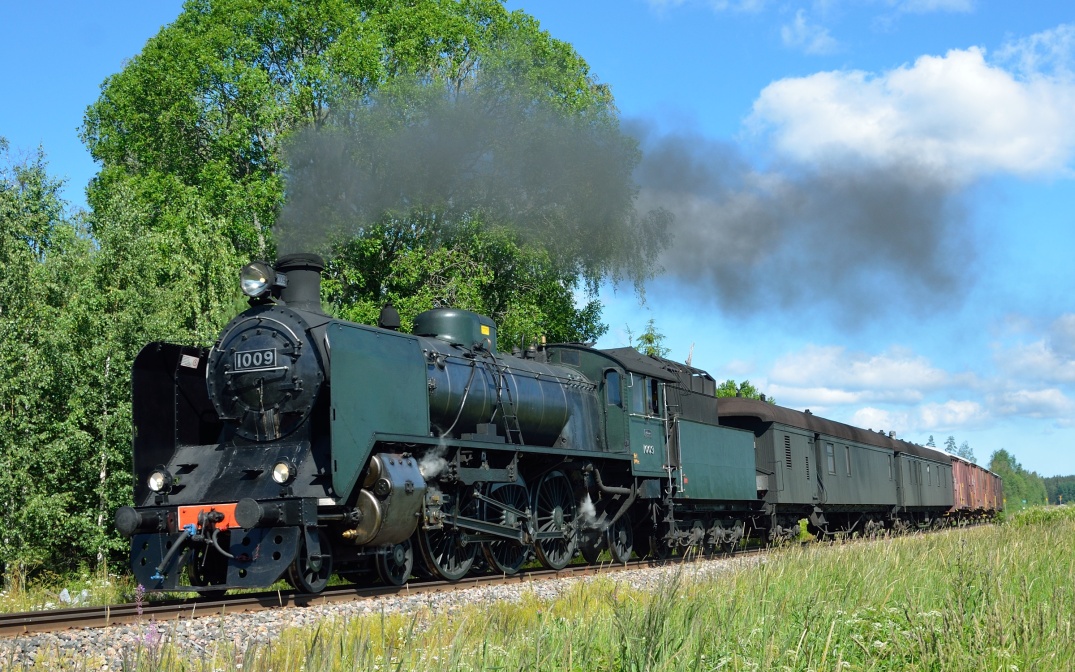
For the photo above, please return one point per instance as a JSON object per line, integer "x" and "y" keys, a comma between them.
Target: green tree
{"x": 48, "y": 491}
{"x": 1022, "y": 488}
{"x": 206, "y": 111}
{"x": 1060, "y": 489}
{"x": 74, "y": 311}
{"x": 746, "y": 389}
{"x": 930, "y": 442}
{"x": 460, "y": 273}
{"x": 651, "y": 342}
{"x": 963, "y": 450}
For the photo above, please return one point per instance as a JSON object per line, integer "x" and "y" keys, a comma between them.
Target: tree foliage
{"x": 964, "y": 450}
{"x": 1060, "y": 489}
{"x": 730, "y": 388}
{"x": 651, "y": 341}
{"x": 74, "y": 310}
{"x": 1022, "y": 488}
{"x": 208, "y": 108}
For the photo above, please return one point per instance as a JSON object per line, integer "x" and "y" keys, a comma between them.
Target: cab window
{"x": 637, "y": 392}
{"x": 654, "y": 396}
{"x": 613, "y": 392}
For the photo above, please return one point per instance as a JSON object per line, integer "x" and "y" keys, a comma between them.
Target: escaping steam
{"x": 433, "y": 463}
{"x": 587, "y": 513}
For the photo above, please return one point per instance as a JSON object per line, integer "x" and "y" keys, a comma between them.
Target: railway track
{"x": 15, "y": 624}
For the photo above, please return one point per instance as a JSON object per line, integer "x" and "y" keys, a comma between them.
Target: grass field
{"x": 987, "y": 598}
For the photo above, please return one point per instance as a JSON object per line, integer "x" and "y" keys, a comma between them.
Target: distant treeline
{"x": 1022, "y": 488}
{"x": 1060, "y": 489}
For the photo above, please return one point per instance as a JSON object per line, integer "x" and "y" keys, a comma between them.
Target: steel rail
{"x": 20, "y": 623}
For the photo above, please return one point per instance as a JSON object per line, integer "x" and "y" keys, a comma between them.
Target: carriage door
{"x": 646, "y": 427}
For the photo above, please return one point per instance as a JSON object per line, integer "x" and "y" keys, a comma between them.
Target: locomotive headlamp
{"x": 257, "y": 278}
{"x": 159, "y": 480}
{"x": 283, "y": 472}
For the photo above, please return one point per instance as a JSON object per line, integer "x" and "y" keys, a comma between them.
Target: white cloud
{"x": 816, "y": 397}
{"x": 1048, "y": 403}
{"x": 951, "y": 415}
{"x": 1038, "y": 361}
{"x": 835, "y": 367}
{"x": 928, "y": 6}
{"x": 716, "y": 5}
{"x": 955, "y": 114}
{"x": 1062, "y": 336}
{"x": 880, "y": 419}
{"x": 1050, "y": 51}
{"x": 809, "y": 37}
{"x": 1050, "y": 359}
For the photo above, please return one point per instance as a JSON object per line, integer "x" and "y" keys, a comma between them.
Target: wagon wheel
{"x": 506, "y": 557}
{"x": 301, "y": 575}
{"x": 621, "y": 540}
{"x": 395, "y": 566}
{"x": 554, "y": 506}
{"x": 444, "y": 550}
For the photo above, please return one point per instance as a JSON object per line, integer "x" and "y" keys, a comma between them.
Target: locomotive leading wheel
{"x": 302, "y": 575}
{"x": 208, "y": 568}
{"x": 621, "y": 540}
{"x": 395, "y": 566}
{"x": 443, "y": 550}
{"x": 506, "y": 557}
{"x": 554, "y": 506}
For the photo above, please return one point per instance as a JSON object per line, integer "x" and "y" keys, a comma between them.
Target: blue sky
{"x": 885, "y": 230}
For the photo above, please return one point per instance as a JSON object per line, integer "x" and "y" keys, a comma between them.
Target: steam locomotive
{"x": 301, "y": 445}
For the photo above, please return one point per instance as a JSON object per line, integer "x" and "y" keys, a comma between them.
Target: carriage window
{"x": 891, "y": 473}
{"x": 847, "y": 457}
{"x": 613, "y": 394}
{"x": 929, "y": 476}
{"x": 654, "y": 396}
{"x": 830, "y": 455}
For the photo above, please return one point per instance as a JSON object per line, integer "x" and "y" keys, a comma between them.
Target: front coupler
{"x": 252, "y": 556}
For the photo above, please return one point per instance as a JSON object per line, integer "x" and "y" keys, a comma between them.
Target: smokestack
{"x": 303, "y": 273}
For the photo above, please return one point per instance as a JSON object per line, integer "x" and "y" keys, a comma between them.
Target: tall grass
{"x": 986, "y": 598}
{"x": 86, "y": 587}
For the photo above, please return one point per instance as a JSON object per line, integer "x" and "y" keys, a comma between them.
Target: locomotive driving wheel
{"x": 395, "y": 566}
{"x": 621, "y": 540}
{"x": 310, "y": 574}
{"x": 590, "y": 545}
{"x": 555, "y": 509}
{"x": 506, "y": 556}
{"x": 444, "y": 550}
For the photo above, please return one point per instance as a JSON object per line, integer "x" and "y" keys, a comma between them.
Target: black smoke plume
{"x": 848, "y": 241}
{"x": 425, "y": 156}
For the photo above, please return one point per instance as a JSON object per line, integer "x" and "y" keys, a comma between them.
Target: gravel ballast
{"x": 200, "y": 635}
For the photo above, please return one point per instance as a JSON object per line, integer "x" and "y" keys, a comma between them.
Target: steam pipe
{"x": 632, "y": 493}
{"x": 611, "y": 490}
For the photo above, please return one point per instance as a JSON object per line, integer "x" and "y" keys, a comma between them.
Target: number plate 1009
{"x": 254, "y": 359}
